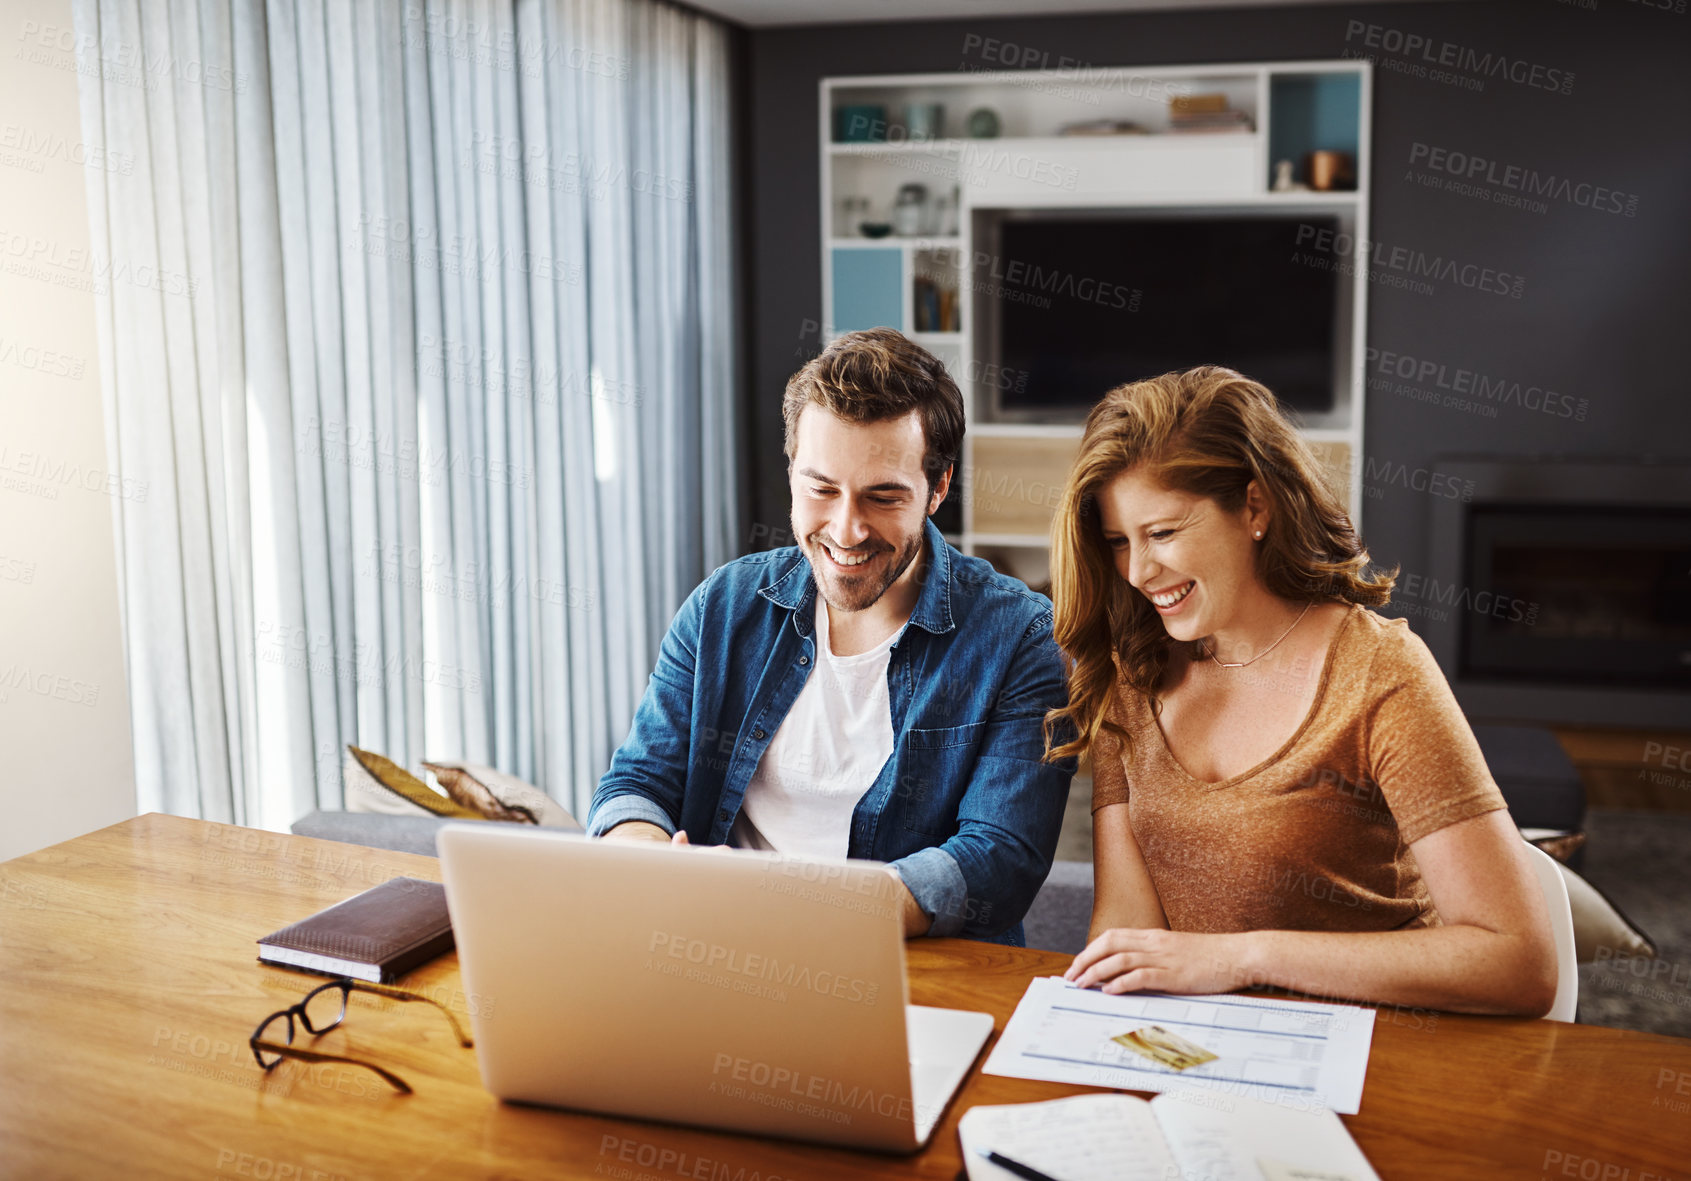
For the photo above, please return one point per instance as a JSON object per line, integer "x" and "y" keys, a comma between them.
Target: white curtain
{"x": 419, "y": 326}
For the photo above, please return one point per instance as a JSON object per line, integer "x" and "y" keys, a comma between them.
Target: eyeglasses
{"x": 323, "y": 1008}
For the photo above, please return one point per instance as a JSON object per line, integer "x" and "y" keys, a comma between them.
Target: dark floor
{"x": 1641, "y": 860}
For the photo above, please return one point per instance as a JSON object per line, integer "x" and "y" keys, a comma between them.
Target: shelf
{"x": 1328, "y": 434}
{"x": 1032, "y": 102}
{"x": 1016, "y": 469}
{"x": 1028, "y": 430}
{"x": 1015, "y": 540}
{"x": 1109, "y": 79}
{"x": 1074, "y": 430}
{"x": 1310, "y": 112}
{"x": 1106, "y": 77}
{"x": 1054, "y": 171}
{"x": 1024, "y": 143}
{"x": 936, "y": 147}
{"x": 917, "y": 243}
{"x": 1311, "y": 197}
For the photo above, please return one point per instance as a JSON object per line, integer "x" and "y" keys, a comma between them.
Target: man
{"x": 869, "y": 692}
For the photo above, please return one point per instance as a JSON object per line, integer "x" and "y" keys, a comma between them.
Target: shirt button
{"x": 722, "y": 814}
{"x": 804, "y": 660}
{"x": 758, "y": 734}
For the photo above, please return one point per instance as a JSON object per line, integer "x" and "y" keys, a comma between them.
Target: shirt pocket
{"x": 934, "y": 767}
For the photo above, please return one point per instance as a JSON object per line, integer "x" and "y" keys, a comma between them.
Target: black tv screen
{"x": 1087, "y": 304}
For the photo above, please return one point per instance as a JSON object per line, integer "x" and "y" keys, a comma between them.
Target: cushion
{"x": 1599, "y": 924}
{"x": 472, "y": 792}
{"x": 1061, "y": 914}
{"x": 377, "y": 784}
{"x": 506, "y": 796}
{"x": 1562, "y": 846}
{"x": 466, "y": 789}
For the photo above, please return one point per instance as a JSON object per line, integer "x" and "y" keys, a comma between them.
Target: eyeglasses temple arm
{"x": 400, "y": 994}
{"x": 317, "y": 1056}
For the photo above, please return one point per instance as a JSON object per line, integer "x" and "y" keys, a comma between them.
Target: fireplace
{"x": 1560, "y": 591}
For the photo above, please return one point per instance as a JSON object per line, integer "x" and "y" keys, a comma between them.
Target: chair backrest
{"x": 1549, "y": 875}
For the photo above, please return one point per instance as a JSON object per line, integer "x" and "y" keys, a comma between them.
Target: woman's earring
{"x": 1259, "y": 534}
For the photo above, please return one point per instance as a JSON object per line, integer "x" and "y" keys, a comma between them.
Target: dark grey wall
{"x": 1606, "y": 302}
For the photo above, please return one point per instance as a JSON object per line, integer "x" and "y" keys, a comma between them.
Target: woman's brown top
{"x": 1316, "y": 837}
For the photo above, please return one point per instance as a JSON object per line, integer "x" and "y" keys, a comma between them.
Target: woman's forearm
{"x": 1459, "y": 968}
{"x": 1139, "y": 910}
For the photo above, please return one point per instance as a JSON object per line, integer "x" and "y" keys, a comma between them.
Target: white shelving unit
{"x": 1292, "y": 106}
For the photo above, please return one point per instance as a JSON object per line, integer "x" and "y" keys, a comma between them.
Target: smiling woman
{"x": 1285, "y": 790}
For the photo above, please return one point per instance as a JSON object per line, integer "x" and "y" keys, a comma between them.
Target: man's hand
{"x": 916, "y": 921}
{"x": 641, "y": 830}
{"x": 1130, "y": 959}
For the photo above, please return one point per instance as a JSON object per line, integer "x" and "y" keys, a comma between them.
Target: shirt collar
{"x": 794, "y": 588}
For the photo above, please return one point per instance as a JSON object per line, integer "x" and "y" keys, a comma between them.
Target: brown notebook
{"x": 377, "y": 935}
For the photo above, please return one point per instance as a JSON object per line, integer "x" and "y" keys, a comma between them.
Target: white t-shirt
{"x": 828, "y": 751}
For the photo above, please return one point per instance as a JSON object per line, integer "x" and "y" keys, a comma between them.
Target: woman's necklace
{"x": 1266, "y": 650}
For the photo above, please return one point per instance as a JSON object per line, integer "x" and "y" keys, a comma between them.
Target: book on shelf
{"x": 1223, "y": 122}
{"x": 1197, "y": 104}
{"x": 1212, "y": 130}
{"x": 1103, "y": 127}
{"x": 1189, "y": 113}
{"x": 934, "y": 307}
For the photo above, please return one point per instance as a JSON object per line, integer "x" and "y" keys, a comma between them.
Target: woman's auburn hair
{"x": 1208, "y": 432}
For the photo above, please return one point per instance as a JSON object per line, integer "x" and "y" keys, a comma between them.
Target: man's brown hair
{"x": 874, "y": 375}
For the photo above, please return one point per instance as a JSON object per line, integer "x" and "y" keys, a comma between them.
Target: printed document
{"x": 1298, "y": 1055}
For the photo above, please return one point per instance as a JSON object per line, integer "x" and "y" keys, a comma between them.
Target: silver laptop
{"x": 723, "y": 988}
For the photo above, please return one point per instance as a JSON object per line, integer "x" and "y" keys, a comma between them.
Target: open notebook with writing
{"x": 1178, "y": 1134}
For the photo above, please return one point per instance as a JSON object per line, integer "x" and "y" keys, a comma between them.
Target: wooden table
{"x": 128, "y": 987}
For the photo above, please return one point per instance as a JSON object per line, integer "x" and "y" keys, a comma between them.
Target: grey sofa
{"x": 1057, "y": 920}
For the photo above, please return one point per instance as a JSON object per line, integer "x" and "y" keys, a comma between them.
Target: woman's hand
{"x": 1132, "y": 959}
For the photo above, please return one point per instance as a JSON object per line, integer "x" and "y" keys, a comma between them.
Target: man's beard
{"x": 845, "y": 591}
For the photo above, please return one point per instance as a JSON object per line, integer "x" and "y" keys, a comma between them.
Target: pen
{"x": 1016, "y": 1167}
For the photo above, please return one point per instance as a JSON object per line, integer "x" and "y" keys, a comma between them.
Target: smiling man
{"x": 870, "y": 692}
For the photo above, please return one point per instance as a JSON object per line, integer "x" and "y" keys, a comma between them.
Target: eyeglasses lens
{"x": 324, "y": 1009}
{"x": 279, "y": 1030}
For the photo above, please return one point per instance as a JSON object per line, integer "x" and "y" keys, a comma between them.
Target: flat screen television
{"x": 1075, "y": 305}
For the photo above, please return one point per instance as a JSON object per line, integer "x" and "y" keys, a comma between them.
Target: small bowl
{"x": 874, "y": 229}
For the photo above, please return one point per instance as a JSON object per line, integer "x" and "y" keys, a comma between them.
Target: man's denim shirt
{"x": 964, "y": 810}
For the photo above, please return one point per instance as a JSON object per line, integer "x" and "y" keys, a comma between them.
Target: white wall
{"x": 66, "y": 765}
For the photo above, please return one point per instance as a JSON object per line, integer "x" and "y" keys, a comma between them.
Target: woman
{"x": 1285, "y": 791}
